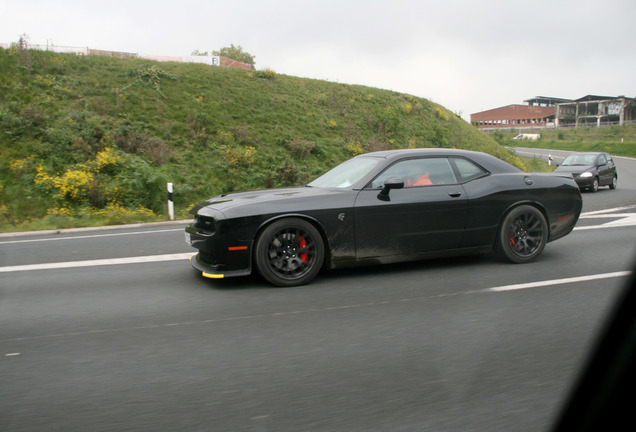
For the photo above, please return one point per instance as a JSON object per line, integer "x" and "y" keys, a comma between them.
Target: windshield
{"x": 585, "y": 160}
{"x": 346, "y": 174}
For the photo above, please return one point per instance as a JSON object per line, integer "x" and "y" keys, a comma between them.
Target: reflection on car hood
{"x": 264, "y": 200}
{"x": 574, "y": 168}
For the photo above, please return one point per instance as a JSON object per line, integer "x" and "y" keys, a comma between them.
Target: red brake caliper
{"x": 302, "y": 243}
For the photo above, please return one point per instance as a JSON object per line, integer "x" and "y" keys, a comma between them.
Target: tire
{"x": 289, "y": 252}
{"x": 523, "y": 234}
{"x": 614, "y": 183}
{"x": 594, "y": 187}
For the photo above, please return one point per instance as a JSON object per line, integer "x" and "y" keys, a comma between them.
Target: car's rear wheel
{"x": 289, "y": 252}
{"x": 614, "y": 183}
{"x": 523, "y": 234}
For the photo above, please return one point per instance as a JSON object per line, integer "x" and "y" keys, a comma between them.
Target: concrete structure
{"x": 596, "y": 111}
{"x": 548, "y": 112}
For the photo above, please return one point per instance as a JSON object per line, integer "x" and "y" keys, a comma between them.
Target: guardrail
{"x": 561, "y": 126}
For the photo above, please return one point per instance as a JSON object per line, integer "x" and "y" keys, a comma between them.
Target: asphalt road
{"x": 96, "y": 336}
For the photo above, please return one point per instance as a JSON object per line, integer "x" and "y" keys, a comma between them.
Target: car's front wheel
{"x": 594, "y": 186}
{"x": 523, "y": 234}
{"x": 289, "y": 252}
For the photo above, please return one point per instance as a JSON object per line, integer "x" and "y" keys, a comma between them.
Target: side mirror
{"x": 390, "y": 183}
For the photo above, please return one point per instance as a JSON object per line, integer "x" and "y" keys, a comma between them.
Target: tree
{"x": 235, "y": 53}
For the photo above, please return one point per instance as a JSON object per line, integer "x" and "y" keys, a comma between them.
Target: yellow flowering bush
{"x": 406, "y": 107}
{"x": 74, "y": 183}
{"x": 107, "y": 157}
{"x": 81, "y": 180}
{"x": 239, "y": 156}
{"x": 62, "y": 211}
{"x": 43, "y": 178}
{"x": 18, "y": 166}
{"x": 44, "y": 80}
{"x": 441, "y": 114}
{"x": 115, "y": 212}
{"x": 355, "y": 148}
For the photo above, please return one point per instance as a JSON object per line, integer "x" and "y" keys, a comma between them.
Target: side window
{"x": 602, "y": 160}
{"x": 418, "y": 172}
{"x": 468, "y": 170}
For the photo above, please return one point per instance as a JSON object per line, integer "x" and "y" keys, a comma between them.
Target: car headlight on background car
{"x": 587, "y": 174}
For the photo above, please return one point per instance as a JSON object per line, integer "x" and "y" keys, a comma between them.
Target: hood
{"x": 271, "y": 200}
{"x": 574, "y": 168}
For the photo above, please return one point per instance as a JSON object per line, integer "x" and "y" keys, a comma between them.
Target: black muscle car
{"x": 384, "y": 207}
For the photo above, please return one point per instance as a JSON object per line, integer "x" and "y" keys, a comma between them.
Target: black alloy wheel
{"x": 523, "y": 234}
{"x": 289, "y": 252}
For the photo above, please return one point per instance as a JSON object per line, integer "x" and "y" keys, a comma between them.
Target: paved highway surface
{"x": 113, "y": 330}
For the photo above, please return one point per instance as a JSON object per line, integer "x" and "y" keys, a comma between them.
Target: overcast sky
{"x": 466, "y": 55}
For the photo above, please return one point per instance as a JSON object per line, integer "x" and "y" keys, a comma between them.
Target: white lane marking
{"x": 612, "y": 210}
{"x": 625, "y": 219}
{"x": 89, "y": 236}
{"x": 99, "y": 262}
{"x": 622, "y": 219}
{"x": 324, "y": 309}
{"x": 559, "y": 281}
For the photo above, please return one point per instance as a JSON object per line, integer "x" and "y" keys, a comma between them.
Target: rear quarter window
{"x": 468, "y": 170}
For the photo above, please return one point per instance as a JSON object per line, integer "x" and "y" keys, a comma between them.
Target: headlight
{"x": 587, "y": 174}
{"x": 204, "y": 223}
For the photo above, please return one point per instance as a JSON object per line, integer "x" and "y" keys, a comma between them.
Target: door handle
{"x": 455, "y": 194}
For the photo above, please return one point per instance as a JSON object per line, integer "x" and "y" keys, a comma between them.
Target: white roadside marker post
{"x": 170, "y": 202}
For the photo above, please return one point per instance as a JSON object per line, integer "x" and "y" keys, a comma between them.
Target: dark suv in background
{"x": 591, "y": 170}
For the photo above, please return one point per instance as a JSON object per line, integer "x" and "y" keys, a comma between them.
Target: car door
{"x": 611, "y": 169}
{"x": 604, "y": 170}
{"x": 427, "y": 214}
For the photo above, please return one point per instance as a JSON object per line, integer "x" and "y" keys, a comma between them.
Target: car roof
{"x": 417, "y": 152}
{"x": 487, "y": 161}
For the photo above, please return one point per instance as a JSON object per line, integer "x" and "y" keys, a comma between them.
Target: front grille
{"x": 208, "y": 259}
{"x": 204, "y": 223}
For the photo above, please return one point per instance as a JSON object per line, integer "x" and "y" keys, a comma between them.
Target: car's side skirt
{"x": 413, "y": 257}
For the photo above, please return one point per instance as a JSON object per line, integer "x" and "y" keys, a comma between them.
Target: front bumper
{"x": 215, "y": 271}
{"x": 584, "y": 182}
{"x": 220, "y": 254}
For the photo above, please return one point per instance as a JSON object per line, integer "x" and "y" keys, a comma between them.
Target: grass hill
{"x": 90, "y": 140}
